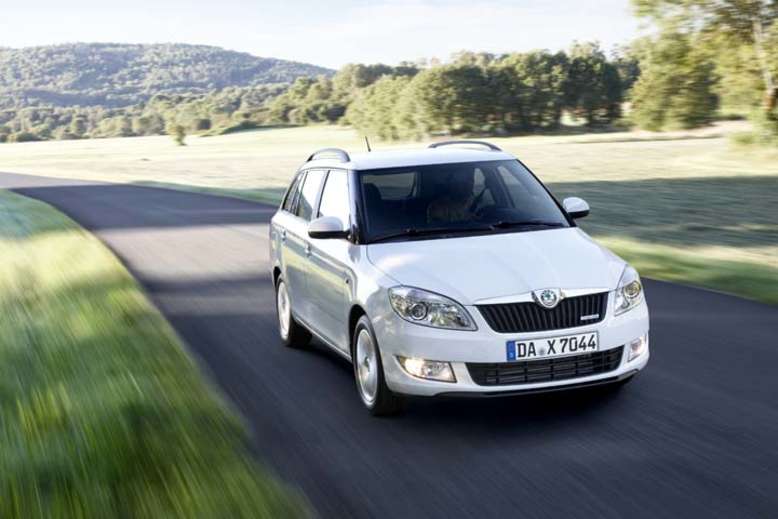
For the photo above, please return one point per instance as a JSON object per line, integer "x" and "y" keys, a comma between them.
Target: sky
{"x": 329, "y": 32}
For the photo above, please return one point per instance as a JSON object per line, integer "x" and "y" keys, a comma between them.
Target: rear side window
{"x": 334, "y": 198}
{"x": 288, "y": 204}
{"x": 308, "y": 193}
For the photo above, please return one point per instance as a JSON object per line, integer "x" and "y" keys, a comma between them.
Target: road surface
{"x": 695, "y": 434}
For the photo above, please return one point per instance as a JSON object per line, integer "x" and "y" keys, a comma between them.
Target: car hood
{"x": 481, "y": 269}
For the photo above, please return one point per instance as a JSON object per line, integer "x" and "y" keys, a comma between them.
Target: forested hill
{"x": 116, "y": 75}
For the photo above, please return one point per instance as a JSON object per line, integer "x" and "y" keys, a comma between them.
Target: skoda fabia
{"x": 451, "y": 270}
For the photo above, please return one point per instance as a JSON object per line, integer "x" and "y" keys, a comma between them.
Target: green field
{"x": 102, "y": 413}
{"x": 684, "y": 206}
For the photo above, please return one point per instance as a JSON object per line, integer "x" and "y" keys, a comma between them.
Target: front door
{"x": 329, "y": 277}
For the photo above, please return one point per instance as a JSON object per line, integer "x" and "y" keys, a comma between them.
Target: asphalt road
{"x": 695, "y": 434}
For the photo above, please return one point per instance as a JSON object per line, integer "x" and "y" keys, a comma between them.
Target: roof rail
{"x": 455, "y": 143}
{"x": 339, "y": 153}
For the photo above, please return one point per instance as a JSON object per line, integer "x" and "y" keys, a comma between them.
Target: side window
{"x": 288, "y": 204}
{"x": 334, "y": 198}
{"x": 308, "y": 193}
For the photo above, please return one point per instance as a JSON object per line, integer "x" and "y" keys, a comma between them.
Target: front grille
{"x": 531, "y": 317}
{"x": 545, "y": 370}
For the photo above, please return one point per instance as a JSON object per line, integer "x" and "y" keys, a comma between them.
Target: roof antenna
{"x": 368, "y": 144}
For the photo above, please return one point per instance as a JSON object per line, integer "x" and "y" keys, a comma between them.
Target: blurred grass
{"x": 102, "y": 413}
{"x": 749, "y": 280}
{"x": 683, "y": 195}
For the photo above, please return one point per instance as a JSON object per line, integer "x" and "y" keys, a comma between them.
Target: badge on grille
{"x": 548, "y": 297}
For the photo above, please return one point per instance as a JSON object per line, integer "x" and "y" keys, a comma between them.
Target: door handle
{"x": 283, "y": 234}
{"x": 307, "y": 249}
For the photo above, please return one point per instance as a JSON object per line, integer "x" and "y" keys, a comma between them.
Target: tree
{"x": 531, "y": 88}
{"x": 178, "y": 132}
{"x": 593, "y": 89}
{"x": 729, "y": 28}
{"x": 353, "y": 77}
{"x": 675, "y": 88}
{"x": 78, "y": 127}
{"x": 23, "y": 137}
{"x": 626, "y": 60}
{"x": 375, "y": 111}
{"x": 453, "y": 99}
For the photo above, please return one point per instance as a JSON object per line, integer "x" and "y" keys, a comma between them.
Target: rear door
{"x": 281, "y": 221}
{"x": 296, "y": 245}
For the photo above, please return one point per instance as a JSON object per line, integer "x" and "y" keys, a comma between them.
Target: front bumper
{"x": 397, "y": 337}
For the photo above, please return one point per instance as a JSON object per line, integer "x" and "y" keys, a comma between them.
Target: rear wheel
{"x": 369, "y": 373}
{"x": 292, "y": 333}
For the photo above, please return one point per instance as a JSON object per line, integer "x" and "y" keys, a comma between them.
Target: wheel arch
{"x": 354, "y": 315}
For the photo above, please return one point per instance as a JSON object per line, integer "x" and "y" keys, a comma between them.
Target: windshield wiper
{"x": 414, "y": 232}
{"x": 506, "y": 224}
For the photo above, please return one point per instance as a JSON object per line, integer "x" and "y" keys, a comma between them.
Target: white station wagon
{"x": 451, "y": 270}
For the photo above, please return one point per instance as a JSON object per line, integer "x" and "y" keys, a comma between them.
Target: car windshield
{"x": 455, "y": 199}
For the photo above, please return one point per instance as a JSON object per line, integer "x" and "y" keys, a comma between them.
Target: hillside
{"x": 117, "y": 75}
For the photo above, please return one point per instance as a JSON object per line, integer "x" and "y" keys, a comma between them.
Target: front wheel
{"x": 369, "y": 373}
{"x": 292, "y": 333}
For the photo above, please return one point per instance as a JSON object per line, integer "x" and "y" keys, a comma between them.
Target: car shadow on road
{"x": 538, "y": 410}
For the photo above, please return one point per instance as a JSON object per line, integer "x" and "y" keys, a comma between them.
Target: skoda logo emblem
{"x": 548, "y": 297}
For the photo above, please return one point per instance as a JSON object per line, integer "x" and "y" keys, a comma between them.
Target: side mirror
{"x": 327, "y": 227}
{"x": 576, "y": 207}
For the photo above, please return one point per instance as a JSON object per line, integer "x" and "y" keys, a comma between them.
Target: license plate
{"x": 552, "y": 346}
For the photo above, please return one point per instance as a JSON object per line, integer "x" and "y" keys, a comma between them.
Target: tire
{"x": 369, "y": 373}
{"x": 292, "y": 333}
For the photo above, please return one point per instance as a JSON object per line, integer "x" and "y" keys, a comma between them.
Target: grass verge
{"x": 102, "y": 413}
{"x": 749, "y": 280}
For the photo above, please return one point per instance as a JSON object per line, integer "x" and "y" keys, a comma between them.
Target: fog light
{"x": 638, "y": 347}
{"x": 428, "y": 369}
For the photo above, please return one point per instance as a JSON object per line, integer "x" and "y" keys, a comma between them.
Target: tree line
{"x": 221, "y": 111}
{"x": 707, "y": 58}
{"x": 474, "y": 93}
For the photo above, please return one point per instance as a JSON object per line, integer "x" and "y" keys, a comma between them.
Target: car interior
{"x": 401, "y": 199}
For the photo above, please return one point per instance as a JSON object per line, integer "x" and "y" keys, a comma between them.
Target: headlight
{"x": 429, "y": 309}
{"x": 629, "y": 293}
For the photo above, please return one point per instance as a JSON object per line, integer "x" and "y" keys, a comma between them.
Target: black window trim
{"x": 352, "y": 225}
{"x": 356, "y": 236}
{"x": 317, "y": 200}
{"x": 357, "y": 209}
{"x": 292, "y": 191}
{"x": 324, "y": 185}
